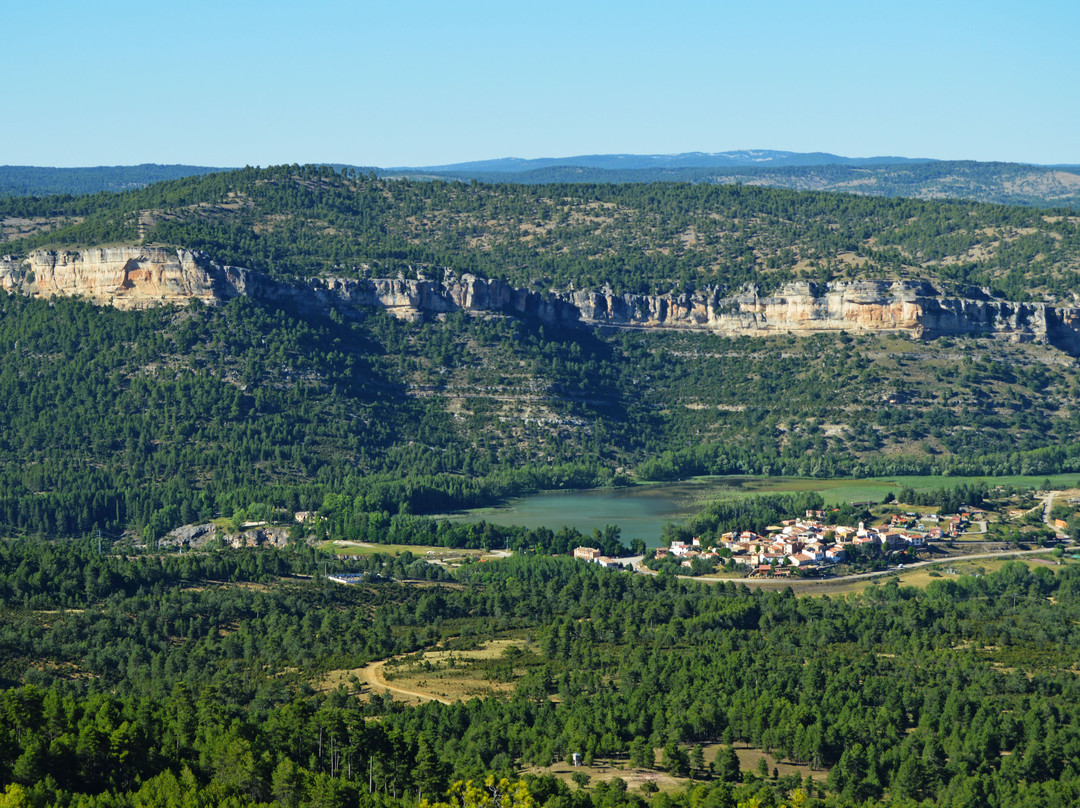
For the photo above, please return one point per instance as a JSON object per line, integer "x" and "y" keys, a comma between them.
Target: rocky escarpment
{"x": 138, "y": 277}
{"x": 125, "y": 277}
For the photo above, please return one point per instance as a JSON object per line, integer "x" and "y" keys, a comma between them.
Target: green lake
{"x": 642, "y": 510}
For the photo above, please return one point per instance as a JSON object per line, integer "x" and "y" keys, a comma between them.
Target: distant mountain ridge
{"x": 623, "y": 162}
{"x": 46, "y": 181}
{"x": 914, "y": 178}
{"x": 997, "y": 183}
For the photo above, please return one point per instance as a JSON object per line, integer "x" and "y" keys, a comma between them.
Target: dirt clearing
{"x": 440, "y": 675}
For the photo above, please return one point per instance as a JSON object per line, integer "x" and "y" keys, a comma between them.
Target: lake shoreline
{"x": 642, "y": 509}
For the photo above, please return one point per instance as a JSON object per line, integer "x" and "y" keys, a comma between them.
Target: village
{"x": 803, "y": 545}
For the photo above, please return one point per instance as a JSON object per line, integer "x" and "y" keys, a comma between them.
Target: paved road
{"x": 854, "y": 577}
{"x": 1048, "y": 505}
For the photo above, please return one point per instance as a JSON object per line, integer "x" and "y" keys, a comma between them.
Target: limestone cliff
{"x": 126, "y": 277}
{"x": 139, "y": 277}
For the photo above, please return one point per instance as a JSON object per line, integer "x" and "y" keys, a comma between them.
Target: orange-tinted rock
{"x": 139, "y": 277}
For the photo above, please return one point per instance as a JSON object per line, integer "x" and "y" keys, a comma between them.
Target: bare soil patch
{"x": 439, "y": 675}
{"x": 604, "y": 770}
{"x": 607, "y": 770}
{"x": 748, "y": 762}
{"x": 1067, "y": 179}
{"x": 440, "y": 555}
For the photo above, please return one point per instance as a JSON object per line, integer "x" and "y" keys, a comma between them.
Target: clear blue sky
{"x": 234, "y": 82}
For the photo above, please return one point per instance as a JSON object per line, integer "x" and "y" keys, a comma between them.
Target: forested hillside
{"x": 200, "y": 680}
{"x": 136, "y": 676}
{"x": 300, "y": 221}
{"x": 157, "y": 418}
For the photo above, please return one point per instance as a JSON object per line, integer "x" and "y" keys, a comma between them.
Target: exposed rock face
{"x": 126, "y": 277}
{"x": 190, "y": 535}
{"x": 136, "y": 277}
{"x": 274, "y": 536}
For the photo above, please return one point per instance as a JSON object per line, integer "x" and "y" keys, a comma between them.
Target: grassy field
{"x": 951, "y": 569}
{"x": 604, "y": 770}
{"x": 607, "y": 770}
{"x": 452, "y": 675}
{"x": 749, "y": 756}
{"x": 442, "y": 675}
{"x": 862, "y": 490}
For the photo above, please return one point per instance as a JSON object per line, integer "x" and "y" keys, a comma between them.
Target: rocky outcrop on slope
{"x": 139, "y": 277}
{"x": 189, "y": 535}
{"x": 125, "y": 277}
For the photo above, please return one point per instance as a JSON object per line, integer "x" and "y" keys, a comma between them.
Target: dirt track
{"x": 372, "y": 676}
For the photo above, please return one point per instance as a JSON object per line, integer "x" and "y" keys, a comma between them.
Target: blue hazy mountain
{"x": 1005, "y": 183}
{"x": 1001, "y": 183}
{"x": 747, "y": 158}
{"x": 45, "y": 181}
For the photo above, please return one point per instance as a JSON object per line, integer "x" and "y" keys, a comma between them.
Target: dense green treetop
{"x": 125, "y": 674}
{"x": 157, "y": 418}
{"x": 132, "y": 678}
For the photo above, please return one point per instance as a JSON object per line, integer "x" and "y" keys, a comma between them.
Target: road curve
{"x": 859, "y": 576}
{"x": 373, "y": 675}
